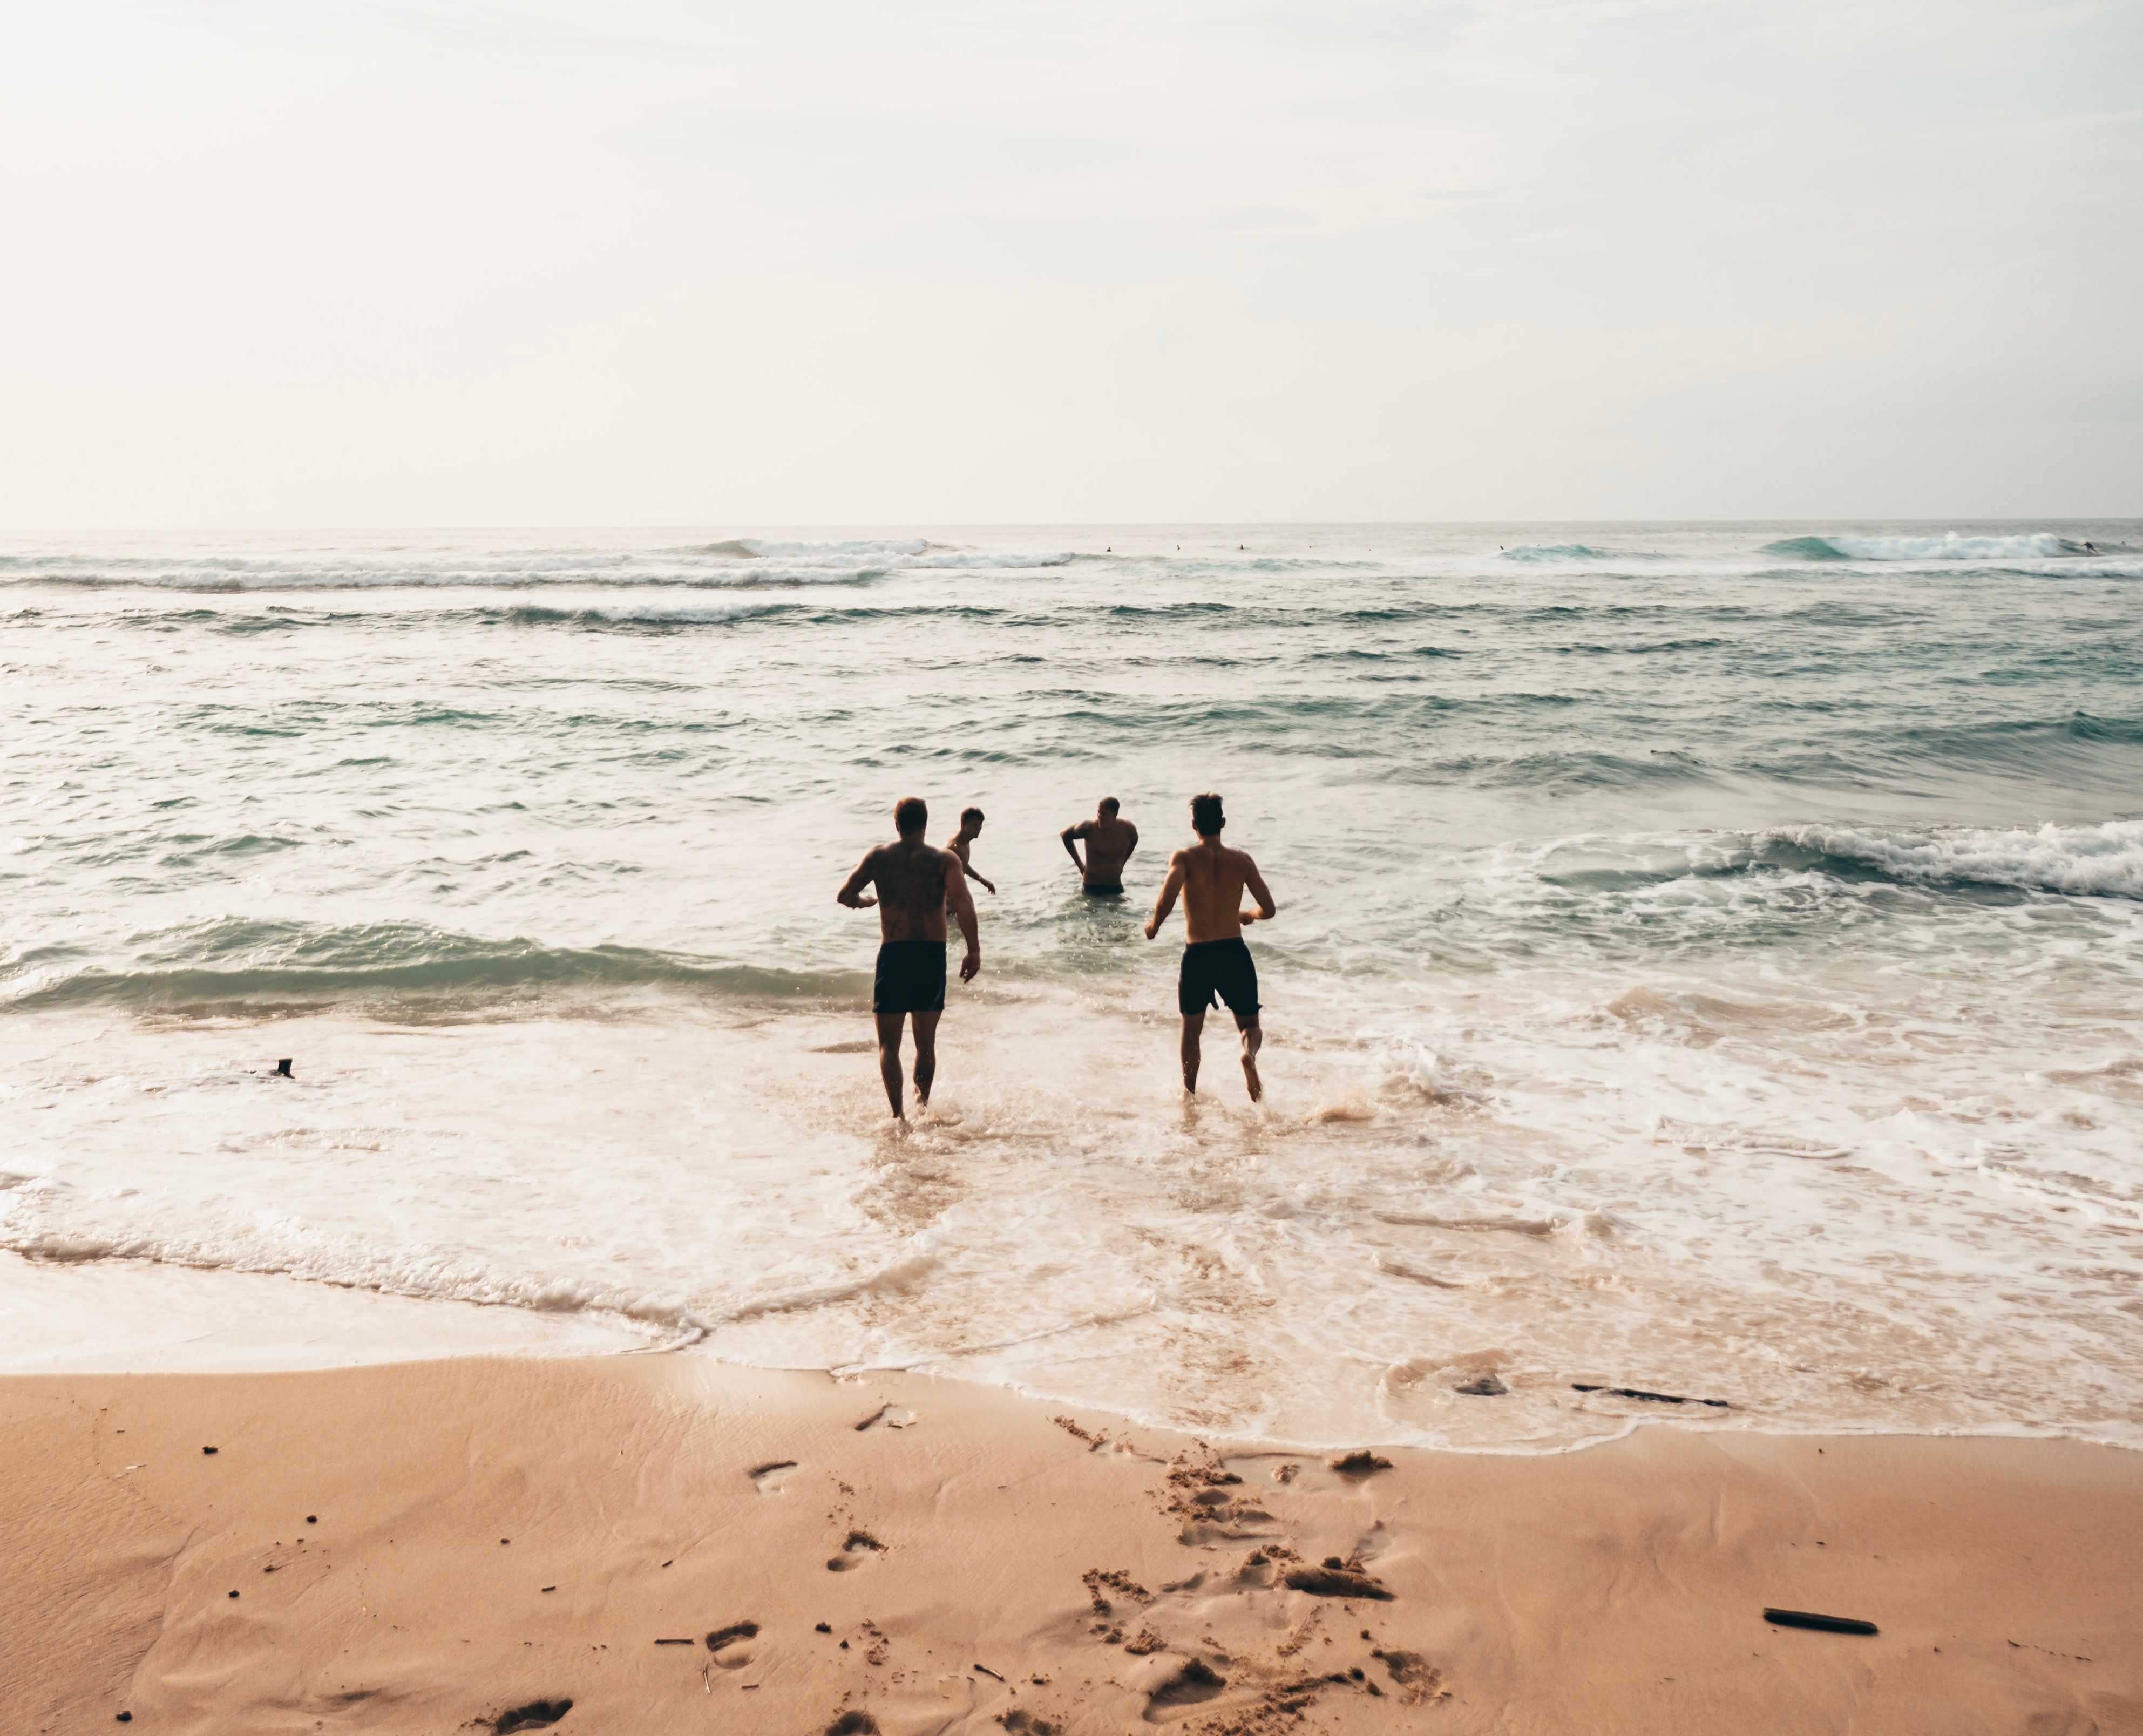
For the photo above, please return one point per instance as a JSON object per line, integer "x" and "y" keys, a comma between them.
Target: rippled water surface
{"x": 1710, "y": 957}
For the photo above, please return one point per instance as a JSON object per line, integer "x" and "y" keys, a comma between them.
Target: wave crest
{"x": 241, "y": 966}
{"x": 2034, "y": 546}
{"x": 2101, "y": 861}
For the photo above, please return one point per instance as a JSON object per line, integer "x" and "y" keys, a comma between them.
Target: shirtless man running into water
{"x": 1109, "y": 841}
{"x": 916, "y": 886}
{"x": 1216, "y": 964}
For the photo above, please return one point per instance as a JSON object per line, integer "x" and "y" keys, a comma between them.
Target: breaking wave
{"x": 1553, "y": 552}
{"x": 2101, "y": 861}
{"x": 236, "y": 964}
{"x": 2038, "y": 546}
{"x": 737, "y": 564}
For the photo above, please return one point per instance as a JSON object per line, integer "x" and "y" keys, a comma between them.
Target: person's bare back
{"x": 916, "y": 887}
{"x": 1217, "y": 966}
{"x": 916, "y": 883}
{"x": 1109, "y": 841}
{"x": 1214, "y": 879}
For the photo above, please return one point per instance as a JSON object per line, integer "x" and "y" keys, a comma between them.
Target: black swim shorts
{"x": 1215, "y": 971}
{"x": 911, "y": 976}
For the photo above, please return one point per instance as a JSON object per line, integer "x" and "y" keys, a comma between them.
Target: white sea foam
{"x": 2104, "y": 860}
{"x": 1767, "y": 1194}
{"x": 737, "y": 563}
{"x": 2038, "y": 546}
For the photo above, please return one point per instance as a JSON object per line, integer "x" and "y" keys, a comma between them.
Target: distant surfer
{"x": 1217, "y": 966}
{"x": 962, "y": 841}
{"x": 917, "y": 884}
{"x": 1109, "y": 841}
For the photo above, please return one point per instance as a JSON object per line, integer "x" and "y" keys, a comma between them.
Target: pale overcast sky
{"x": 418, "y": 262}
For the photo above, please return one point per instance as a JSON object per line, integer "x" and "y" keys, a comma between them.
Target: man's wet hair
{"x": 910, "y": 815}
{"x": 1206, "y": 819}
{"x": 1110, "y": 804}
{"x": 970, "y": 813}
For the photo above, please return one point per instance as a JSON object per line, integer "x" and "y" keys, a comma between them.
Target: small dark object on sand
{"x": 1717, "y": 1404}
{"x": 550, "y": 1588}
{"x": 1821, "y": 1624}
{"x": 283, "y": 1069}
{"x": 986, "y": 1669}
{"x": 1361, "y": 1462}
{"x": 676, "y": 1642}
{"x": 730, "y": 1635}
{"x": 823, "y": 1627}
{"x": 312, "y": 1519}
{"x": 1487, "y": 1387}
{"x": 208, "y": 1452}
{"x": 234, "y": 1594}
{"x": 124, "y": 1718}
{"x": 536, "y": 1715}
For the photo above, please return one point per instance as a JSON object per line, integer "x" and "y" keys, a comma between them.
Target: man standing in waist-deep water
{"x": 1109, "y": 842}
{"x": 1216, "y": 964}
{"x": 916, "y": 886}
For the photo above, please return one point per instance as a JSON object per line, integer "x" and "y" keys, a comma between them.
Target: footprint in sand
{"x": 536, "y": 1715}
{"x": 768, "y": 1479}
{"x": 852, "y": 1723}
{"x": 1196, "y": 1682}
{"x": 859, "y": 1547}
{"x": 729, "y": 1645}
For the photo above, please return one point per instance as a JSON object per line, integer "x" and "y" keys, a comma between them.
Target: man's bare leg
{"x": 1193, "y": 1024}
{"x": 926, "y": 1056}
{"x": 1254, "y": 1039}
{"x": 888, "y": 1054}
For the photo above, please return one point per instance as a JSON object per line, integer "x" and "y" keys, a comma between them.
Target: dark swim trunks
{"x": 1215, "y": 971}
{"x": 911, "y": 976}
{"x": 1102, "y": 892}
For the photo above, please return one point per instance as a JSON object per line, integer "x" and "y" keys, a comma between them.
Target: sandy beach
{"x": 666, "y": 1542}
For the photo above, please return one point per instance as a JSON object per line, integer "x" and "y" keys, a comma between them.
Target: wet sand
{"x": 668, "y": 1543}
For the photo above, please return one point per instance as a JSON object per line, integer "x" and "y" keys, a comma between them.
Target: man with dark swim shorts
{"x": 1217, "y": 966}
{"x": 1109, "y": 841}
{"x": 916, "y": 886}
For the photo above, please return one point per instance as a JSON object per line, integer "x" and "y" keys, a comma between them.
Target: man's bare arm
{"x": 1067, "y": 834}
{"x": 1254, "y": 883}
{"x": 964, "y": 911}
{"x": 970, "y": 867}
{"x": 1166, "y": 902}
{"x": 1131, "y": 848}
{"x": 851, "y": 890}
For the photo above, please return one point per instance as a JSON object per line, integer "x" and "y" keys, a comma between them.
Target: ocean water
{"x": 1709, "y": 958}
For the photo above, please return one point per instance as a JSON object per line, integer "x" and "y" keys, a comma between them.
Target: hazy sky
{"x": 325, "y": 262}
